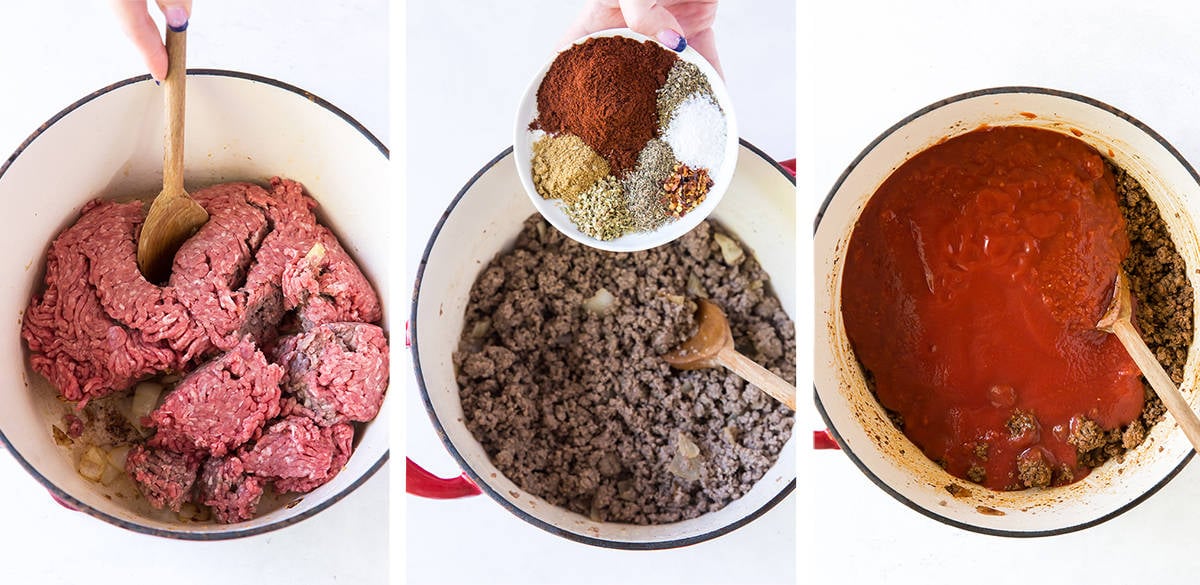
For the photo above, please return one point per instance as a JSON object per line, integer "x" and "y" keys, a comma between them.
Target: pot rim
{"x": 1017, "y": 89}
{"x": 80, "y": 506}
{"x": 478, "y": 479}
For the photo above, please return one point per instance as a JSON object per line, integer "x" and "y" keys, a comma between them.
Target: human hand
{"x": 135, "y": 20}
{"x": 675, "y": 23}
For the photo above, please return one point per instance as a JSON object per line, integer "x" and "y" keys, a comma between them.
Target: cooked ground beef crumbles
{"x": 1163, "y": 302}
{"x": 569, "y": 396}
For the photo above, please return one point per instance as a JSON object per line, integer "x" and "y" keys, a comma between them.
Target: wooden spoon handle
{"x": 176, "y": 91}
{"x": 1160, "y": 381}
{"x": 762, "y": 378}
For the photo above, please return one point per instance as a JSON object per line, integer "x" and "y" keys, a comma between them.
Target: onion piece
{"x": 600, "y": 302}
{"x": 731, "y": 252}
{"x": 481, "y": 328}
{"x": 117, "y": 456}
{"x": 92, "y": 463}
{"x": 110, "y": 474}
{"x": 145, "y": 400}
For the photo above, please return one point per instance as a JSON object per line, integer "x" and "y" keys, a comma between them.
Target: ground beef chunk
{"x": 338, "y": 371}
{"x": 326, "y": 286}
{"x": 578, "y": 408}
{"x": 164, "y": 477}
{"x": 297, "y": 455}
{"x": 74, "y": 338}
{"x": 209, "y": 273}
{"x": 1033, "y": 470}
{"x": 99, "y": 325}
{"x": 1086, "y": 435}
{"x": 220, "y": 405}
{"x": 225, "y": 486}
{"x": 1021, "y": 423}
{"x": 74, "y": 426}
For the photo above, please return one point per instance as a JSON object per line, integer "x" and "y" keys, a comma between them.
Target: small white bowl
{"x": 633, "y": 242}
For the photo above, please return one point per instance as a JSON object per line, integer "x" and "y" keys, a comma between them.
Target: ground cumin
{"x": 563, "y": 167}
{"x": 605, "y": 91}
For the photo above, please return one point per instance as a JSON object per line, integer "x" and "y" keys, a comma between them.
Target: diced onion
{"x": 92, "y": 463}
{"x": 117, "y": 456}
{"x": 145, "y": 400}
{"x": 687, "y": 448}
{"x": 481, "y": 328}
{"x": 110, "y": 474}
{"x": 694, "y": 287}
{"x": 600, "y": 302}
{"x": 731, "y": 252}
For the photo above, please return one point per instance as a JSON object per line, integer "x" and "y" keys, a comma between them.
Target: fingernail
{"x": 156, "y": 82}
{"x": 177, "y": 18}
{"x": 672, "y": 40}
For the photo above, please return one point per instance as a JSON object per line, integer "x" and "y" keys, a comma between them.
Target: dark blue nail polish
{"x": 156, "y": 82}
{"x": 179, "y": 28}
{"x": 672, "y": 39}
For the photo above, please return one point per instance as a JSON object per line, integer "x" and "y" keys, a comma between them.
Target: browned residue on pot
{"x": 958, "y": 491}
{"x": 986, "y": 511}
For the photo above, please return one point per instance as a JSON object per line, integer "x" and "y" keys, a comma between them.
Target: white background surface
{"x": 877, "y": 62}
{"x": 53, "y": 53}
{"x": 468, "y": 65}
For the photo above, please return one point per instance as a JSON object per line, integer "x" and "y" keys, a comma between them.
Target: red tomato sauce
{"x": 973, "y": 282}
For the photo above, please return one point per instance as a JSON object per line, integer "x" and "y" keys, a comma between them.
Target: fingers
{"x": 176, "y": 12}
{"x": 596, "y": 16}
{"x": 140, "y": 29}
{"x": 651, "y": 19}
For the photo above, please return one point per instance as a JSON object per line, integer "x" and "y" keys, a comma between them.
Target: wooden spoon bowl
{"x": 712, "y": 346}
{"x": 1118, "y": 320}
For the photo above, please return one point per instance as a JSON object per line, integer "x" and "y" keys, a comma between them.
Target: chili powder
{"x": 605, "y": 91}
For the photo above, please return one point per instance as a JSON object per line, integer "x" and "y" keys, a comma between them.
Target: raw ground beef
{"x": 338, "y": 371}
{"x": 578, "y": 408}
{"x": 297, "y": 455}
{"x": 225, "y": 486}
{"x": 220, "y": 405}
{"x": 99, "y": 325}
{"x": 260, "y": 268}
{"x": 164, "y": 477}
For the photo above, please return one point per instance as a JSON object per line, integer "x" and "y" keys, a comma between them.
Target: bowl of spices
{"x": 624, "y": 145}
{"x": 963, "y": 260}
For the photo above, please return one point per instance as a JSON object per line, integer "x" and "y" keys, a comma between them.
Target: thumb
{"x": 648, "y": 17}
{"x": 176, "y": 12}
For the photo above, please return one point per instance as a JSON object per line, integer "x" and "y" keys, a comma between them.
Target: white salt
{"x": 697, "y": 133}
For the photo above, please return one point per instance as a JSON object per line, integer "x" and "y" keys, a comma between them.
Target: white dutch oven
{"x": 860, "y": 425}
{"x": 485, "y": 219}
{"x": 109, "y": 145}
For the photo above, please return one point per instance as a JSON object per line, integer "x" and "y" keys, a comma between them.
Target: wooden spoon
{"x": 174, "y": 216}
{"x": 712, "y": 346}
{"x": 1118, "y": 321}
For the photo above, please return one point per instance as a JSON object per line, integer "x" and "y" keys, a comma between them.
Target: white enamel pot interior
{"x": 863, "y": 430}
{"x": 109, "y": 145}
{"x": 523, "y": 140}
{"x": 483, "y": 220}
